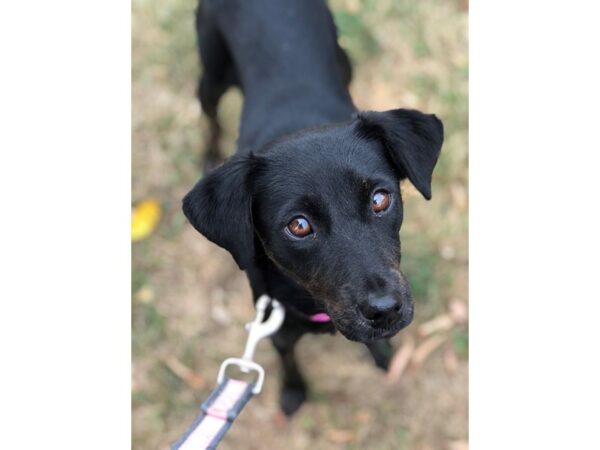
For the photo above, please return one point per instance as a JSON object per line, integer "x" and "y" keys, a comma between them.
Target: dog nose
{"x": 380, "y": 309}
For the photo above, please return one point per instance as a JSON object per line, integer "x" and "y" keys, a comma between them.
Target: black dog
{"x": 310, "y": 205}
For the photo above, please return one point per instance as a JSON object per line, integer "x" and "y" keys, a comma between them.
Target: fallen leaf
{"x": 459, "y": 196}
{"x": 448, "y": 252}
{"x": 459, "y": 311}
{"x": 400, "y": 360}
{"x": 190, "y": 377}
{"x": 219, "y": 311}
{"x": 458, "y": 445}
{"x": 442, "y": 322}
{"x": 280, "y": 420}
{"x": 144, "y": 219}
{"x": 338, "y": 436}
{"x": 145, "y": 294}
{"x": 362, "y": 416}
{"x": 426, "y": 348}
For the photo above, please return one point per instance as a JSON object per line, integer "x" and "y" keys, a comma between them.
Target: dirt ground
{"x": 190, "y": 301}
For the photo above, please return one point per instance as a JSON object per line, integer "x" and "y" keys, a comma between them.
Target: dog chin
{"x": 361, "y": 331}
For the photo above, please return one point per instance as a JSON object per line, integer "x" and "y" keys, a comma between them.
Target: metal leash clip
{"x": 257, "y": 330}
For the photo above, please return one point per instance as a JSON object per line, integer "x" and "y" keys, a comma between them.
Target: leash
{"x": 230, "y": 396}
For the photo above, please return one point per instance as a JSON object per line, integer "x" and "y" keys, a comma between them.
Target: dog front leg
{"x": 293, "y": 387}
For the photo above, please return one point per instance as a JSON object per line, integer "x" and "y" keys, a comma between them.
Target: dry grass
{"x": 190, "y": 301}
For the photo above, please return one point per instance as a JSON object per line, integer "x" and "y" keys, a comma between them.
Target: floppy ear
{"x": 219, "y": 207}
{"x": 412, "y": 139}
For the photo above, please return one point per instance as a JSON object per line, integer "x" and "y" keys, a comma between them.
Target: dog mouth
{"x": 356, "y": 328}
{"x": 365, "y": 315}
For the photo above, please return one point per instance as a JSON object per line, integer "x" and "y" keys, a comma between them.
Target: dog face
{"x": 325, "y": 205}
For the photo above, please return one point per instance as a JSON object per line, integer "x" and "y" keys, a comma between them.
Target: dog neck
{"x": 291, "y": 112}
{"x": 266, "y": 278}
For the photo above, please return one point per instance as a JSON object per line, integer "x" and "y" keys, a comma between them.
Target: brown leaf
{"x": 459, "y": 311}
{"x": 191, "y": 378}
{"x": 400, "y": 360}
{"x": 362, "y": 416}
{"x": 458, "y": 445}
{"x": 459, "y": 196}
{"x": 426, "y": 348}
{"x": 339, "y": 436}
{"x": 448, "y": 252}
{"x": 280, "y": 420}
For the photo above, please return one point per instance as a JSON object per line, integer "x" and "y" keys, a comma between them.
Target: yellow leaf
{"x": 144, "y": 219}
{"x": 145, "y": 294}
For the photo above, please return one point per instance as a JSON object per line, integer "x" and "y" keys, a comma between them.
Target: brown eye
{"x": 380, "y": 201}
{"x": 299, "y": 227}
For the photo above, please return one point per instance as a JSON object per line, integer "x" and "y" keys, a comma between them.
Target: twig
{"x": 426, "y": 348}
{"x": 190, "y": 377}
{"x": 400, "y": 360}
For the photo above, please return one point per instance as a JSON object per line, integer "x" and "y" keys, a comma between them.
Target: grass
{"x": 190, "y": 301}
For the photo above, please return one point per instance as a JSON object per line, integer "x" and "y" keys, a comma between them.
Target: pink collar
{"x": 320, "y": 318}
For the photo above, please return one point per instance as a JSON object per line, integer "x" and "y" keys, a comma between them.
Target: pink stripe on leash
{"x": 320, "y": 317}
{"x": 204, "y": 434}
{"x": 229, "y": 396}
{"x": 216, "y": 416}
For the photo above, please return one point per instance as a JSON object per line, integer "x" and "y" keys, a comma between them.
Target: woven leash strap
{"x": 218, "y": 412}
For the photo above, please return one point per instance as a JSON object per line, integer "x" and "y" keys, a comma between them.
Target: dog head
{"x": 325, "y": 205}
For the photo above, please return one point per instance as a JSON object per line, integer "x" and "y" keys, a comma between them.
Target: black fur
{"x": 304, "y": 151}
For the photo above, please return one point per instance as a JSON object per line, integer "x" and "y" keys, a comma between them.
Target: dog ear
{"x": 219, "y": 207}
{"x": 412, "y": 139}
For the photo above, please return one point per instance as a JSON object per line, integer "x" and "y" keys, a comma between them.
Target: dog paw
{"x": 382, "y": 352}
{"x": 292, "y": 399}
{"x": 382, "y": 363}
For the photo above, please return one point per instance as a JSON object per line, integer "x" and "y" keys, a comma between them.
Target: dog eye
{"x": 380, "y": 201}
{"x": 299, "y": 227}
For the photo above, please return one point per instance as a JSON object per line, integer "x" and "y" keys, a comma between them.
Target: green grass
{"x": 405, "y": 54}
{"x": 356, "y": 37}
